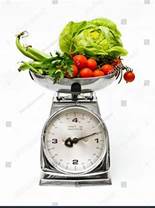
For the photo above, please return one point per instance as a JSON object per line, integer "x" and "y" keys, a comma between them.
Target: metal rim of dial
{"x": 49, "y": 120}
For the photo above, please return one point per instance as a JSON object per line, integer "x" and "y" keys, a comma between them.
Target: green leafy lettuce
{"x": 98, "y": 37}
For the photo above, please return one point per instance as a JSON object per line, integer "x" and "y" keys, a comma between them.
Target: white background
{"x": 127, "y": 109}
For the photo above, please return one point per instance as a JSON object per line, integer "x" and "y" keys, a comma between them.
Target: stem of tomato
{"x": 121, "y": 73}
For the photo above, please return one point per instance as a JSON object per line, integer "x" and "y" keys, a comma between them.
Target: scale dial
{"x": 74, "y": 140}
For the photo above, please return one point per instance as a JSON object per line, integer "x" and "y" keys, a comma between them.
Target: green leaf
{"x": 66, "y": 36}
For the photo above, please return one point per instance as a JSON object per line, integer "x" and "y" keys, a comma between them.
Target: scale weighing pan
{"x": 93, "y": 83}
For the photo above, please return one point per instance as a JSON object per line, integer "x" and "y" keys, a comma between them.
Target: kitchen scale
{"x": 74, "y": 142}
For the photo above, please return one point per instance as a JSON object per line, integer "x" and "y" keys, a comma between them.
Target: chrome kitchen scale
{"x": 74, "y": 142}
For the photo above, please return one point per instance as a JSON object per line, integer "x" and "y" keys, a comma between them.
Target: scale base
{"x": 103, "y": 179}
{"x": 101, "y": 174}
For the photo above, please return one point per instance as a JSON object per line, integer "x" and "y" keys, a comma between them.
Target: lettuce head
{"x": 98, "y": 37}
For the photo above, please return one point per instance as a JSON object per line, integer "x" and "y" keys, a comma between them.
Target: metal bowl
{"x": 93, "y": 83}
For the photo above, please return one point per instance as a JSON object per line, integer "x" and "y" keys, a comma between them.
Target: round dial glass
{"x": 74, "y": 140}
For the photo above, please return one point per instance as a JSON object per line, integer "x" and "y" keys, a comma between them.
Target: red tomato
{"x": 107, "y": 69}
{"x": 74, "y": 73}
{"x": 86, "y": 72}
{"x": 80, "y": 61}
{"x": 129, "y": 76}
{"x": 98, "y": 73}
{"x": 75, "y": 70}
{"x": 91, "y": 63}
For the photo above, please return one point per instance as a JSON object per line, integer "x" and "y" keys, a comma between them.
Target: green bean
{"x": 35, "y": 52}
{"x": 29, "y": 51}
{"x": 30, "y": 67}
{"x": 23, "y": 67}
{"x": 22, "y": 48}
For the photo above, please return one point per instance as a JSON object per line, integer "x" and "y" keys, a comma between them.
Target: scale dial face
{"x": 74, "y": 140}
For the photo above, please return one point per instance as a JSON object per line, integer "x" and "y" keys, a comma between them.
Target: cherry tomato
{"x": 91, "y": 63}
{"x": 107, "y": 69}
{"x": 80, "y": 61}
{"x": 74, "y": 73}
{"x": 86, "y": 72}
{"x": 129, "y": 76}
{"x": 98, "y": 73}
{"x": 75, "y": 70}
